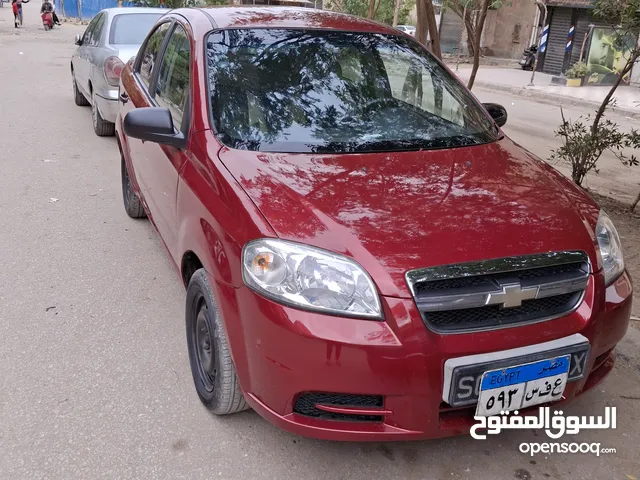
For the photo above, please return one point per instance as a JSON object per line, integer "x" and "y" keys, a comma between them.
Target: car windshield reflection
{"x": 291, "y": 90}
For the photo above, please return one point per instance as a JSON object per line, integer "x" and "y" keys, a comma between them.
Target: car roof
{"x": 129, "y": 10}
{"x": 287, "y": 17}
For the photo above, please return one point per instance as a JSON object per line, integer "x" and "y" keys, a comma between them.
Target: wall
{"x": 85, "y": 9}
{"x": 507, "y": 30}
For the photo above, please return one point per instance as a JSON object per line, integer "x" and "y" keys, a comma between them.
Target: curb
{"x": 552, "y": 98}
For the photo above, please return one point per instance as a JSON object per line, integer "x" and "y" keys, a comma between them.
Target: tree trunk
{"x": 375, "y": 12}
{"x": 470, "y": 28}
{"x": 476, "y": 42}
{"x": 470, "y": 36}
{"x": 421, "y": 27}
{"x": 627, "y": 68}
{"x": 372, "y": 9}
{"x": 396, "y": 12}
{"x": 433, "y": 29}
{"x": 635, "y": 202}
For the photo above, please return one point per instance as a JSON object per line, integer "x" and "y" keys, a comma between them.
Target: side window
{"x": 97, "y": 30}
{"x": 86, "y": 37}
{"x": 172, "y": 88}
{"x": 150, "y": 53}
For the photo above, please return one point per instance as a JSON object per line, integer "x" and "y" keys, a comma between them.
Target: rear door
{"x": 95, "y": 55}
{"x": 79, "y": 60}
{"x": 90, "y": 41}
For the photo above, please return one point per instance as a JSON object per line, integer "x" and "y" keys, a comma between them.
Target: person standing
{"x": 16, "y": 5}
{"x": 16, "y": 12}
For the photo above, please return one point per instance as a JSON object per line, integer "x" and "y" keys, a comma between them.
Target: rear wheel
{"x": 132, "y": 203}
{"x": 100, "y": 125}
{"x": 214, "y": 374}
{"x": 78, "y": 97}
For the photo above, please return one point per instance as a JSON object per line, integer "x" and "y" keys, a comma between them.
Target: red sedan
{"x": 366, "y": 255}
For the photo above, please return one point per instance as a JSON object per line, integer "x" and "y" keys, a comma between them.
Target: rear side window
{"x": 96, "y": 33}
{"x": 150, "y": 53}
{"x": 131, "y": 29}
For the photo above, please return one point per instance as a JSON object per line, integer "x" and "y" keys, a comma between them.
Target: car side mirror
{"x": 153, "y": 124}
{"x": 78, "y": 39}
{"x": 497, "y": 112}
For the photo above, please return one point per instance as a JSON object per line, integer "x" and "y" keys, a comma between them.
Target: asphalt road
{"x": 94, "y": 376}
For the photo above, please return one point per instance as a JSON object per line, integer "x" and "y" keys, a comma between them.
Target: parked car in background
{"x": 112, "y": 37}
{"x": 366, "y": 254}
{"x": 409, "y": 29}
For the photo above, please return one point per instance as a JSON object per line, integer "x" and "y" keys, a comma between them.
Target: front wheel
{"x": 214, "y": 374}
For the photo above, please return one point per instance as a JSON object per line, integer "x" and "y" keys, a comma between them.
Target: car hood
{"x": 395, "y": 212}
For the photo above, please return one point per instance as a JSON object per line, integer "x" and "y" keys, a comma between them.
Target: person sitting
{"x": 46, "y": 7}
{"x": 55, "y": 16}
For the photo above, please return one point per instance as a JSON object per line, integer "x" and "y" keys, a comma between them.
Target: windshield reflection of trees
{"x": 309, "y": 91}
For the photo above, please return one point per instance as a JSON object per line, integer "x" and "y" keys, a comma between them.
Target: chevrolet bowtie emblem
{"x": 512, "y": 295}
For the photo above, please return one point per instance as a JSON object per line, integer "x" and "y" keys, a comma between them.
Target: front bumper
{"x": 281, "y": 353}
{"x": 107, "y": 103}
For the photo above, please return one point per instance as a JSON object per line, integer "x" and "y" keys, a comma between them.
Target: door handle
{"x": 124, "y": 98}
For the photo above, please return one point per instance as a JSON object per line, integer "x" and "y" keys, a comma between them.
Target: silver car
{"x": 410, "y": 29}
{"x": 110, "y": 40}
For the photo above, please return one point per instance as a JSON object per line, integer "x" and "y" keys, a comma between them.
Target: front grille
{"x": 490, "y": 280}
{"x": 499, "y": 293}
{"x": 306, "y": 405}
{"x": 493, "y": 315}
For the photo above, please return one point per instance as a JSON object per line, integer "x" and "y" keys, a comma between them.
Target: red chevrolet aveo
{"x": 366, "y": 255}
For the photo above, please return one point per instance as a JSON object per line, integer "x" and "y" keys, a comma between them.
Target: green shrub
{"x": 577, "y": 70}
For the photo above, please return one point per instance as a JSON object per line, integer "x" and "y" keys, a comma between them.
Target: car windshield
{"x": 131, "y": 28}
{"x": 292, "y": 90}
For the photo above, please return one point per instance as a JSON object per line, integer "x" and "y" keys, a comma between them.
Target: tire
{"x": 79, "y": 98}
{"x": 214, "y": 374}
{"x": 100, "y": 126}
{"x": 132, "y": 203}
{"x": 46, "y": 27}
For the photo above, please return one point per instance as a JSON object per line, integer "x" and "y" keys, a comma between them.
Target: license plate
{"x": 522, "y": 386}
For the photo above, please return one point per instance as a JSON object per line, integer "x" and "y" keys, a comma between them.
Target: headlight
{"x": 610, "y": 248}
{"x": 309, "y": 278}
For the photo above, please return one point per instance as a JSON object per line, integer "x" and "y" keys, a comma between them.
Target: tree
{"x": 396, "y": 12}
{"x": 584, "y": 142}
{"x": 383, "y": 10}
{"x": 474, "y": 14}
{"x": 427, "y": 23}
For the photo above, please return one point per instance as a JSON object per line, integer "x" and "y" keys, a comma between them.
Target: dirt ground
{"x": 628, "y": 225}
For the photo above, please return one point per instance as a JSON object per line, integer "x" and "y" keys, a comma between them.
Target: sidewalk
{"x": 516, "y": 81}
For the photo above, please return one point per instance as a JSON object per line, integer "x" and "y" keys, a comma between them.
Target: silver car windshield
{"x": 131, "y": 28}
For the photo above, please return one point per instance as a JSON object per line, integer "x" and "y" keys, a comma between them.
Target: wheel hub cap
{"x": 205, "y": 350}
